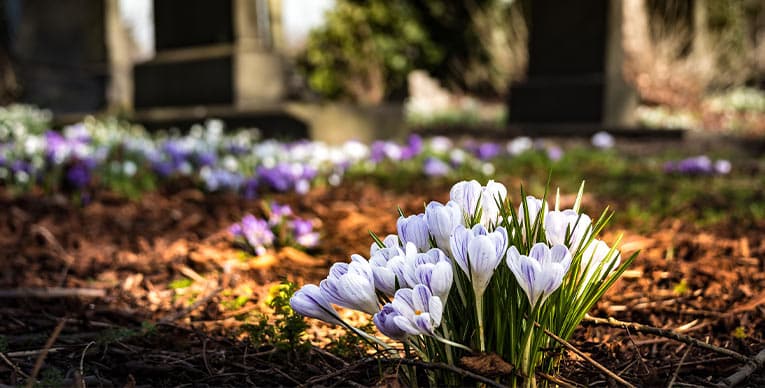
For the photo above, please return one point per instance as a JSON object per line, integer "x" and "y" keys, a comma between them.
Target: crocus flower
{"x": 351, "y": 285}
{"x": 478, "y": 253}
{"x": 560, "y": 223}
{"x": 441, "y": 220}
{"x": 466, "y": 194}
{"x": 519, "y": 145}
{"x": 592, "y": 257}
{"x": 437, "y": 277}
{"x": 310, "y": 302}
{"x": 390, "y": 241}
{"x": 414, "y": 229}
{"x": 385, "y": 320}
{"x": 535, "y": 207}
{"x": 490, "y": 195}
{"x": 382, "y": 269}
{"x": 541, "y": 272}
{"x": 419, "y": 311}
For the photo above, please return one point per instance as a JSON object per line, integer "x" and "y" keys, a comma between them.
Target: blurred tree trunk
{"x": 8, "y": 85}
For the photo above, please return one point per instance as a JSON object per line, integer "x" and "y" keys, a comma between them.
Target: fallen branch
{"x": 742, "y": 374}
{"x": 52, "y": 293}
{"x": 588, "y": 358}
{"x": 612, "y": 322}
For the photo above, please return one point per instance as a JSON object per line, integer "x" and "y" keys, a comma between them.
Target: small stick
{"x": 555, "y": 380}
{"x": 44, "y": 353}
{"x": 81, "y": 378}
{"x": 13, "y": 366}
{"x": 665, "y": 333}
{"x": 52, "y": 293}
{"x": 29, "y": 353}
{"x": 51, "y": 239}
{"x": 679, "y": 365}
{"x": 589, "y": 359}
{"x": 742, "y": 374}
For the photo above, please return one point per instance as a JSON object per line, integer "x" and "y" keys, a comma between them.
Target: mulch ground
{"x": 96, "y": 280}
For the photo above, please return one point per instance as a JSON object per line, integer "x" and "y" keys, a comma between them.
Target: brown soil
{"x": 685, "y": 279}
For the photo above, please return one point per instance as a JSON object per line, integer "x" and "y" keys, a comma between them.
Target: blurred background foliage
{"x": 684, "y": 50}
{"x": 367, "y": 48}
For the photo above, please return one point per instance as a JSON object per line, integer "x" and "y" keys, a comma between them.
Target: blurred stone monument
{"x": 212, "y": 53}
{"x": 59, "y": 53}
{"x": 574, "y": 79}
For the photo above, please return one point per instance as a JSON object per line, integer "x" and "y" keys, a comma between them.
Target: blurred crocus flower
{"x": 255, "y": 231}
{"x": 79, "y": 174}
{"x": 471, "y": 197}
{"x": 554, "y": 152}
{"x": 487, "y": 150}
{"x": 722, "y": 167}
{"x": 566, "y": 227}
{"x": 435, "y": 167}
{"x": 418, "y": 311}
{"x": 413, "y": 147}
{"x": 519, "y": 145}
{"x": 414, "y": 229}
{"x": 478, "y": 253}
{"x": 351, "y": 285}
{"x": 602, "y": 140}
{"x": 304, "y": 233}
{"x": 541, "y": 272}
{"x": 441, "y": 220}
{"x": 278, "y": 213}
{"x": 310, "y": 302}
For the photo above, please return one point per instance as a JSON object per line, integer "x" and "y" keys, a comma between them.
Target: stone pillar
{"x": 575, "y": 66}
{"x": 60, "y": 54}
{"x": 211, "y": 53}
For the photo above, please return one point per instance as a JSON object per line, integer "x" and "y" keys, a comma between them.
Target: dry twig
{"x": 52, "y": 293}
{"x": 679, "y": 365}
{"x": 589, "y": 359}
{"x": 665, "y": 333}
{"x": 742, "y": 374}
{"x": 44, "y": 353}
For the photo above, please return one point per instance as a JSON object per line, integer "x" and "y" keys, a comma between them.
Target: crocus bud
{"x": 351, "y": 285}
{"x": 559, "y": 223}
{"x": 414, "y": 229}
{"x": 385, "y": 322}
{"x": 466, "y": 195}
{"x": 441, "y": 220}
{"x": 310, "y": 302}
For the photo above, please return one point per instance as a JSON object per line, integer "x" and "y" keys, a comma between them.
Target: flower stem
{"x": 479, "y": 312}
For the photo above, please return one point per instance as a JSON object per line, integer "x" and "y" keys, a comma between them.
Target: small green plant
{"x": 286, "y": 330}
{"x": 51, "y": 377}
{"x": 180, "y": 283}
{"x": 681, "y": 288}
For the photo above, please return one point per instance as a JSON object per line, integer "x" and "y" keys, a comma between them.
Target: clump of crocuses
{"x": 476, "y": 274}
{"x": 281, "y": 227}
